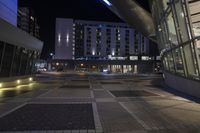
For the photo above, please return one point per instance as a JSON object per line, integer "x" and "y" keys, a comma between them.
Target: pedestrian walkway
{"x": 98, "y": 104}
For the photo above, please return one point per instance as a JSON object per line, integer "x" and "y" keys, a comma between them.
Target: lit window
{"x": 145, "y": 57}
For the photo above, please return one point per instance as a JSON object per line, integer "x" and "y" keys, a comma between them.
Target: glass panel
{"x": 171, "y": 29}
{"x": 180, "y": 16}
{"x": 178, "y": 61}
{"x": 166, "y": 64}
{"x": 165, "y": 34}
{"x": 191, "y": 69}
{"x": 16, "y": 62}
{"x": 30, "y": 62}
{"x": 7, "y": 60}
{"x": 170, "y": 62}
{"x": 165, "y": 4}
{"x": 1, "y": 51}
{"x": 197, "y": 49}
{"x": 24, "y": 59}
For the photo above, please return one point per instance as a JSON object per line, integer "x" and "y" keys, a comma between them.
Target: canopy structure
{"x": 131, "y": 12}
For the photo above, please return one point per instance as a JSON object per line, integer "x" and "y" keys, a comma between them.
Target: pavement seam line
{"x": 12, "y": 110}
{"x": 144, "y": 125}
{"x": 98, "y": 126}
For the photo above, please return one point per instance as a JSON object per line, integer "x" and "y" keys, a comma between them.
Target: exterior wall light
{"x": 30, "y": 79}
{"x": 18, "y": 81}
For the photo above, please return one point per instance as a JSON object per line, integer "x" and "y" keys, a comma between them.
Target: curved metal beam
{"x": 134, "y": 15}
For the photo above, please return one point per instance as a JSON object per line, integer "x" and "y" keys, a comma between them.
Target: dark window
{"x": 7, "y": 60}
{"x": 16, "y": 62}
{"x": 1, "y": 51}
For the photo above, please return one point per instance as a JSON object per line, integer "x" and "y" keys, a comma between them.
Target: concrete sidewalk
{"x": 99, "y": 104}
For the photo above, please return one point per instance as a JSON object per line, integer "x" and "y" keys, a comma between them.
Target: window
{"x": 170, "y": 61}
{"x": 182, "y": 25}
{"x": 7, "y": 60}
{"x": 178, "y": 61}
{"x": 1, "y": 51}
{"x": 171, "y": 29}
{"x": 190, "y": 61}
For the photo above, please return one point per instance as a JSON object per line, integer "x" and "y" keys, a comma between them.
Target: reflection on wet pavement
{"x": 12, "y": 93}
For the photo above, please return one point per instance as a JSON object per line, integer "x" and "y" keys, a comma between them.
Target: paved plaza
{"x": 97, "y": 103}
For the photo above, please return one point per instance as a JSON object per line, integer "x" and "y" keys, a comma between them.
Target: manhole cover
{"x": 39, "y": 117}
{"x": 135, "y": 93}
{"x": 110, "y": 82}
{"x": 76, "y": 86}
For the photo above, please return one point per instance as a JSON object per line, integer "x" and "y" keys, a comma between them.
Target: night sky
{"x": 46, "y": 12}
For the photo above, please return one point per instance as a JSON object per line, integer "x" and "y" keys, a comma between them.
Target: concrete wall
{"x": 64, "y": 39}
{"x": 184, "y": 85}
{"x": 8, "y": 11}
{"x": 12, "y": 35}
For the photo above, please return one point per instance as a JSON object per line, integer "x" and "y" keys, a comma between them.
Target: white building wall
{"x": 103, "y": 42}
{"x": 65, "y": 26}
{"x": 8, "y": 11}
{"x": 122, "y": 41}
{"x": 131, "y": 48}
{"x": 64, "y": 39}
{"x": 113, "y": 41}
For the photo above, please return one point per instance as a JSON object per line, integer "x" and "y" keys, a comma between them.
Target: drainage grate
{"x": 39, "y": 117}
{"x": 135, "y": 93}
{"x": 75, "y": 86}
{"x": 110, "y": 82}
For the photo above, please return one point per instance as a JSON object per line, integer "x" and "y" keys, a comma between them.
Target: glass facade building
{"x": 16, "y": 60}
{"x": 178, "y": 34}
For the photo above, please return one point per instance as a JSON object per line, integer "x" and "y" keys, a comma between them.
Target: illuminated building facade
{"x": 98, "y": 46}
{"x": 79, "y": 39}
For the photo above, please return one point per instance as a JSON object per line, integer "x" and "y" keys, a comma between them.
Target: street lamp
{"x": 52, "y": 55}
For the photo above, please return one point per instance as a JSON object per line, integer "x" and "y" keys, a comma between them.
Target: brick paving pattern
{"x": 38, "y": 117}
{"x": 104, "y": 103}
